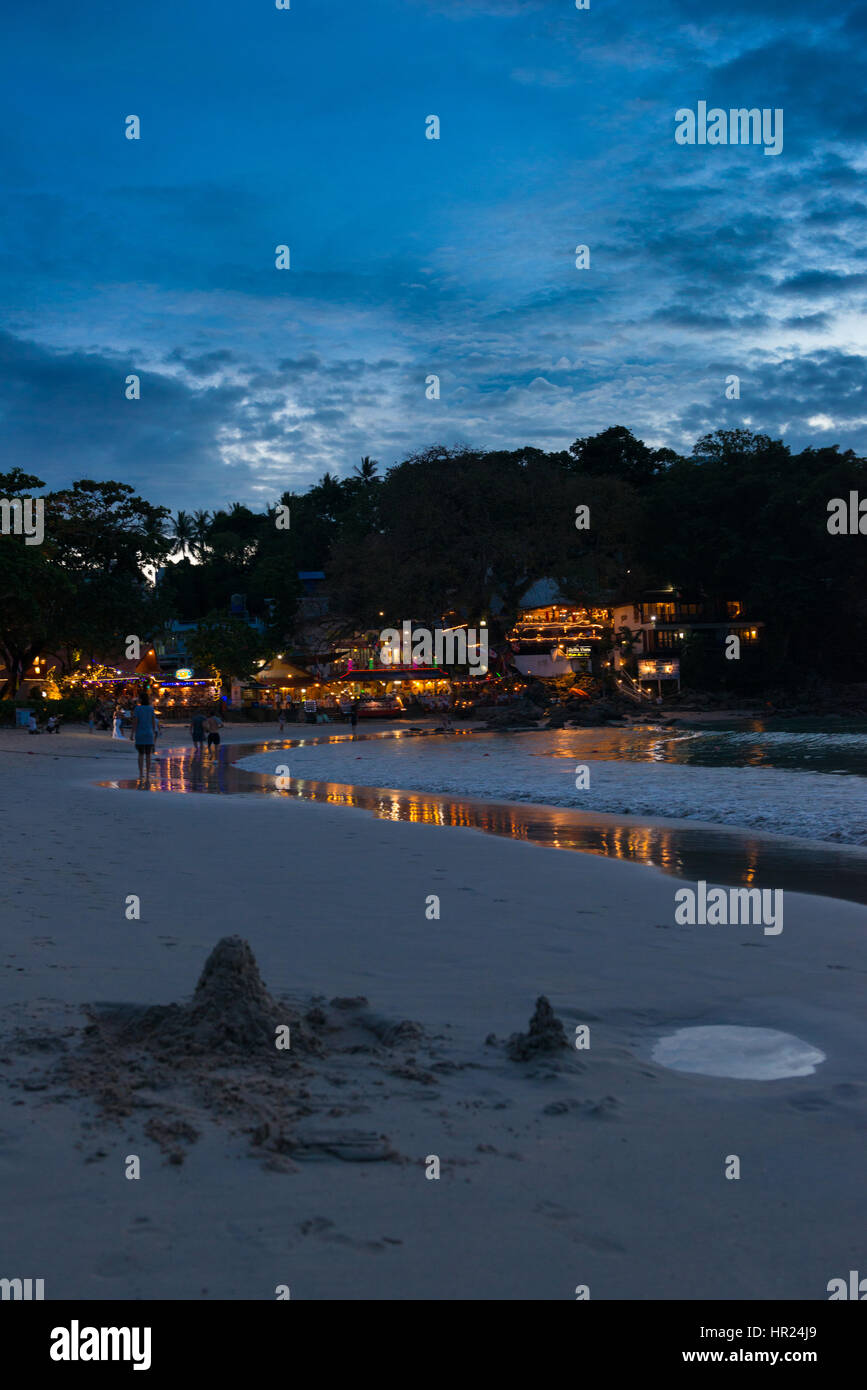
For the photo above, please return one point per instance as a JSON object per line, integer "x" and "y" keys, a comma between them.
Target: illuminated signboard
{"x": 658, "y": 669}
{"x": 183, "y": 673}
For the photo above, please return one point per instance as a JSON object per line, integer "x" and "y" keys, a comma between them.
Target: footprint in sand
{"x": 850, "y": 1090}
{"x": 845, "y": 1092}
{"x": 605, "y": 1109}
{"x": 600, "y": 1245}
{"x": 813, "y": 1101}
{"x": 322, "y": 1227}
{"x": 142, "y": 1226}
{"x": 116, "y": 1266}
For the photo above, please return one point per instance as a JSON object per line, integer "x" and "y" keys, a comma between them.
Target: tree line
{"x": 455, "y": 531}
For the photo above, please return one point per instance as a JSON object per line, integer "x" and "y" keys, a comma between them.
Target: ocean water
{"x": 807, "y": 781}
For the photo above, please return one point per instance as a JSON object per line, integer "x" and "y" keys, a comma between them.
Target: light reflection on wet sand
{"x": 721, "y": 856}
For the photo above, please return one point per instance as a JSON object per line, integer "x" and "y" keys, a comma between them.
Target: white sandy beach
{"x": 599, "y": 1167}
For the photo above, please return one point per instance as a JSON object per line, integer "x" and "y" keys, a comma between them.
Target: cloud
{"x": 543, "y": 77}
{"x": 803, "y": 393}
{"x": 64, "y": 415}
{"x": 412, "y": 257}
{"x": 815, "y": 321}
{"x": 821, "y": 282}
{"x": 206, "y": 364}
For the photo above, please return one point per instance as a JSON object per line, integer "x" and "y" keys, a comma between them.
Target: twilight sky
{"x": 410, "y": 256}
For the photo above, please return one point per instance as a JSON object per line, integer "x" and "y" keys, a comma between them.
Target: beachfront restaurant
{"x": 187, "y": 690}
{"x": 176, "y": 692}
{"x": 283, "y": 684}
{"x": 180, "y": 689}
{"x": 431, "y": 687}
{"x": 393, "y": 685}
{"x": 277, "y": 684}
{"x": 358, "y": 672}
{"x": 560, "y": 639}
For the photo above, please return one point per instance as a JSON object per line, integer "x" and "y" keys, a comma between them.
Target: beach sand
{"x": 595, "y": 1167}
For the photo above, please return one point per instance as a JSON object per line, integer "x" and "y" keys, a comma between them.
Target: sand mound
{"x": 546, "y": 1034}
{"x": 231, "y": 1012}
{"x": 178, "y": 1069}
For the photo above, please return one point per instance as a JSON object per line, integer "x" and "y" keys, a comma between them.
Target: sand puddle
{"x": 747, "y": 1054}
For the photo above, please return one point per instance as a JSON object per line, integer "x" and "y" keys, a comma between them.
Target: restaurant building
{"x": 561, "y": 638}
{"x": 661, "y": 622}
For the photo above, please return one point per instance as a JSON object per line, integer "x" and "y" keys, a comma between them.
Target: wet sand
{"x": 687, "y": 849}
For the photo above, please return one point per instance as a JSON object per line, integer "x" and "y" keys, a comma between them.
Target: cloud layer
{"x": 412, "y": 257}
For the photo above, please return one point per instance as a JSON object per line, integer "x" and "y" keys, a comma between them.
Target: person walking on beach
{"x": 117, "y": 729}
{"x": 213, "y": 725}
{"x": 145, "y": 728}
{"x": 353, "y": 716}
{"x": 197, "y": 729}
{"x": 281, "y": 718}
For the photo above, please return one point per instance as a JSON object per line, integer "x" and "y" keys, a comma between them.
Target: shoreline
{"x": 680, "y": 847}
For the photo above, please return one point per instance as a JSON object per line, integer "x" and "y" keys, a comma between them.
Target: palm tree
{"x": 367, "y": 471}
{"x": 201, "y": 528}
{"x": 328, "y": 497}
{"x": 182, "y": 534}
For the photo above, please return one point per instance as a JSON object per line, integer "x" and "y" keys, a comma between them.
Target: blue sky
{"x": 410, "y": 256}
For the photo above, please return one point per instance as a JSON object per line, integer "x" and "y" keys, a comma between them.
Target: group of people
{"x": 52, "y": 724}
{"x": 318, "y": 712}
{"x": 146, "y": 728}
{"x": 314, "y": 713}
{"x": 206, "y": 726}
{"x": 433, "y": 704}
